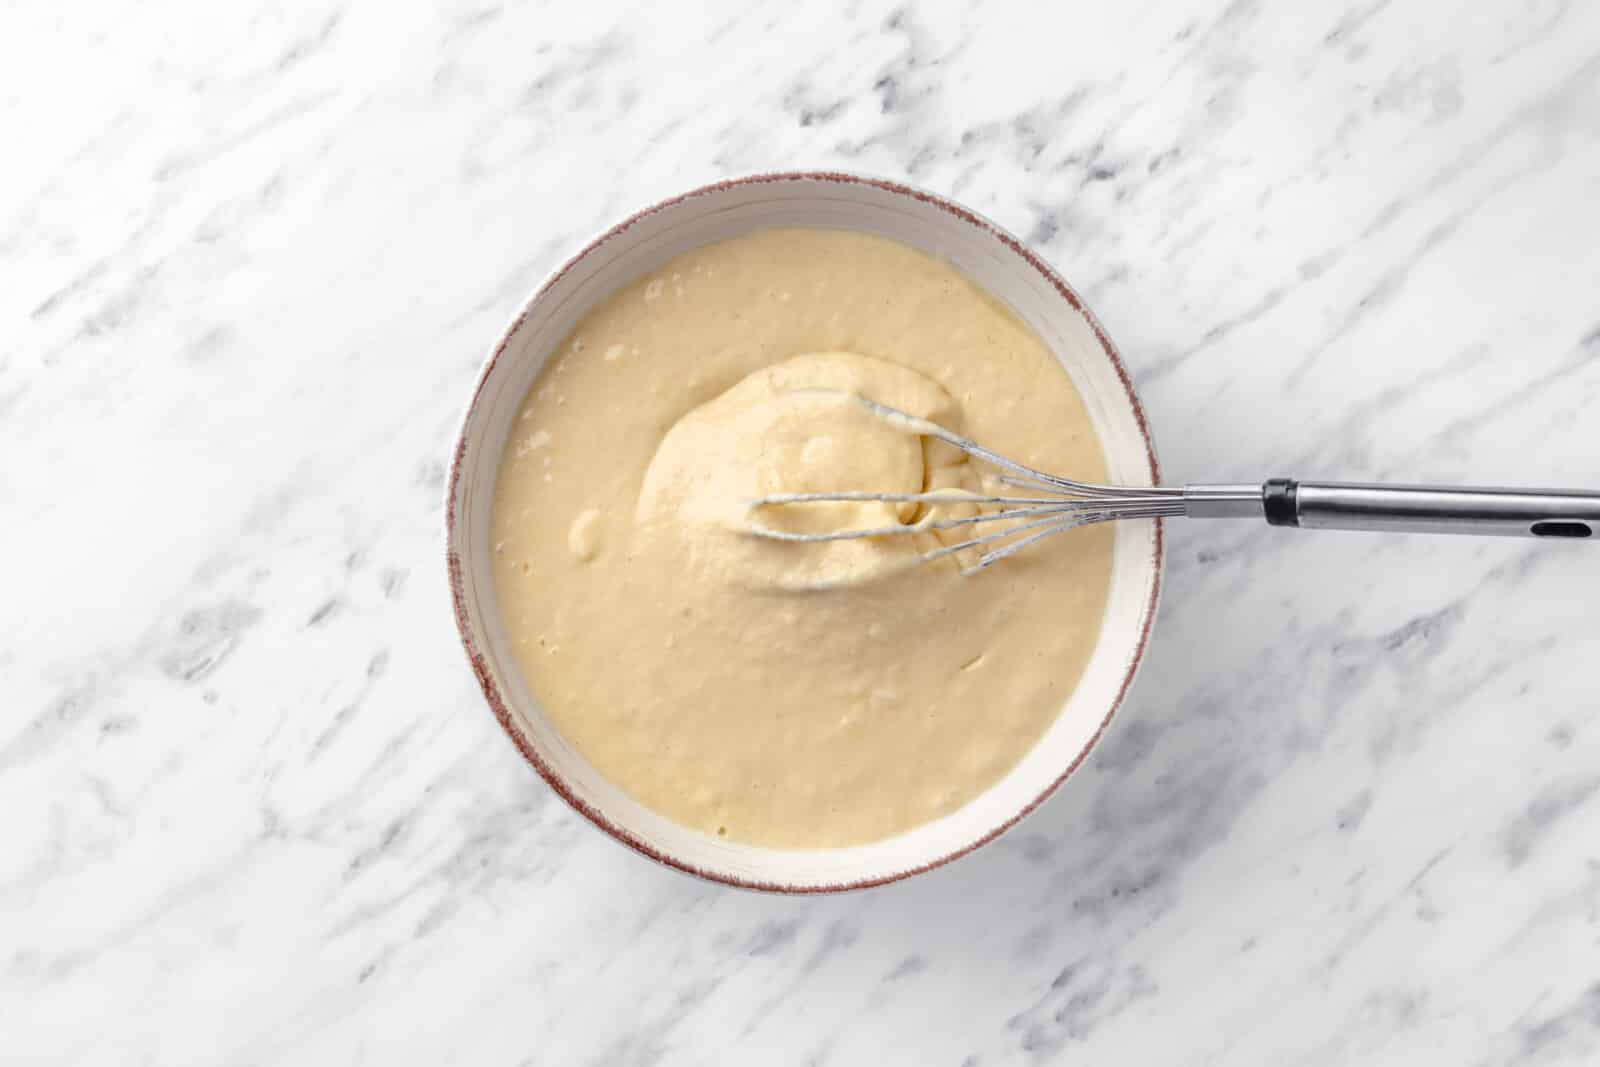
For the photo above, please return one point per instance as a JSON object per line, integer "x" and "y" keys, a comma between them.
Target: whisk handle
{"x": 1563, "y": 513}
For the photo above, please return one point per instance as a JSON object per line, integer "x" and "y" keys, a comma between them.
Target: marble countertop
{"x": 252, "y": 806}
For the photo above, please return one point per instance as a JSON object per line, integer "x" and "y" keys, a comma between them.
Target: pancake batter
{"x": 790, "y": 695}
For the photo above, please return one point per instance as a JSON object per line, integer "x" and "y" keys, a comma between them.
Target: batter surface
{"x": 791, "y": 695}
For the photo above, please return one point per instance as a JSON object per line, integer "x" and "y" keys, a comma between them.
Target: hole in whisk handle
{"x": 1562, "y": 528}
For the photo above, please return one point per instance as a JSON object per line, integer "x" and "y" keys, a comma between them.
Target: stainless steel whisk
{"x": 1061, "y": 504}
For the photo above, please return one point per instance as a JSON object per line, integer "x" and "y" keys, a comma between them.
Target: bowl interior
{"x": 986, "y": 255}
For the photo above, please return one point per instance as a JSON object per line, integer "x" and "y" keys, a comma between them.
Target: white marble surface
{"x": 252, "y": 808}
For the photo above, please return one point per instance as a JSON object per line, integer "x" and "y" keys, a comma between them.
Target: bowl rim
{"x": 479, "y": 663}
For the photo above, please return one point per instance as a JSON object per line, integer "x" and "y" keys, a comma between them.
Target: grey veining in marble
{"x": 251, "y": 806}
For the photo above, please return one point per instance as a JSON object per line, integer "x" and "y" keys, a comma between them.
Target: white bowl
{"x": 989, "y": 256}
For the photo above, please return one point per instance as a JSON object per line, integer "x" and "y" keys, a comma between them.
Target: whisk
{"x": 1050, "y": 504}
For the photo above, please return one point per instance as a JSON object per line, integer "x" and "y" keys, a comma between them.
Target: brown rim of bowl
{"x": 480, "y": 667}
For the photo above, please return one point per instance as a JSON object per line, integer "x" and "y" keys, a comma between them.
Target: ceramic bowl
{"x": 983, "y": 252}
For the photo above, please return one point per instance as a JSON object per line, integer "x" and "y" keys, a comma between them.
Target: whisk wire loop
{"x": 1059, "y": 504}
